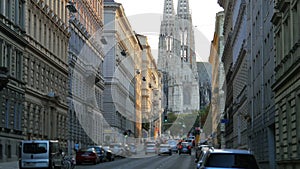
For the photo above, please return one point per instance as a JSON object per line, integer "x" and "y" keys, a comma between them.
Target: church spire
{"x": 183, "y": 9}
{"x": 169, "y": 9}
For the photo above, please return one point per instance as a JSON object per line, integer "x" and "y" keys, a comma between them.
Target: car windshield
{"x": 231, "y": 161}
{"x": 35, "y": 148}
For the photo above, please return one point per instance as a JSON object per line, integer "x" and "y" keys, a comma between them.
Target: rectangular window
{"x": 1, "y": 51}
{"x": 62, "y": 11}
{"x": 7, "y": 113}
{"x": 16, "y": 112}
{"x": 7, "y": 8}
{"x": 62, "y": 49}
{"x": 20, "y": 116}
{"x": 40, "y": 31}
{"x": 1, "y": 7}
{"x": 29, "y": 22}
{"x": 21, "y": 7}
{"x": 53, "y": 45}
{"x": 45, "y": 36}
{"x": 296, "y": 30}
{"x": 58, "y": 47}
{"x": 34, "y": 27}
{"x": 7, "y": 55}
{"x": 49, "y": 39}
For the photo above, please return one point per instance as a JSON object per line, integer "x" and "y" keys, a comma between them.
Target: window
{"x": 7, "y": 8}
{"x": 7, "y": 56}
{"x": 20, "y": 19}
{"x": 7, "y": 113}
{"x": 1, "y": 51}
{"x": 29, "y": 22}
{"x": 49, "y": 39}
{"x": 1, "y": 6}
{"x": 18, "y": 63}
{"x": 34, "y": 27}
{"x": 1, "y": 152}
{"x": 45, "y": 35}
{"x": 35, "y": 148}
{"x": 53, "y": 45}
{"x": 40, "y": 31}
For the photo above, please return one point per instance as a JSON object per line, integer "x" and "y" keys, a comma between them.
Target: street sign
{"x": 224, "y": 121}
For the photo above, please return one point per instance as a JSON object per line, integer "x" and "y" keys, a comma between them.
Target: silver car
{"x": 228, "y": 159}
{"x": 151, "y": 149}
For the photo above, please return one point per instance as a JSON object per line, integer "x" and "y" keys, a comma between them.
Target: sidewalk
{"x": 9, "y": 165}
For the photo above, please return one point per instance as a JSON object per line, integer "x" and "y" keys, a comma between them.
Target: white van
{"x": 40, "y": 154}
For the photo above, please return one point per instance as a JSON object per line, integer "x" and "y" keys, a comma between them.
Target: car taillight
{"x": 180, "y": 146}
{"x": 189, "y": 147}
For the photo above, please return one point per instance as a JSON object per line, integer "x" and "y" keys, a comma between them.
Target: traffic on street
{"x": 147, "y": 162}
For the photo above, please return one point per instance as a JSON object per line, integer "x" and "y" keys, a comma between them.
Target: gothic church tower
{"x": 177, "y": 59}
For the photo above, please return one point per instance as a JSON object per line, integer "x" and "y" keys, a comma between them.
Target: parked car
{"x": 200, "y": 149}
{"x": 229, "y": 159}
{"x": 133, "y": 148}
{"x": 87, "y": 155}
{"x": 100, "y": 152}
{"x": 40, "y": 154}
{"x": 118, "y": 149}
{"x": 110, "y": 155}
{"x": 151, "y": 149}
{"x": 185, "y": 148}
{"x": 173, "y": 145}
{"x": 164, "y": 149}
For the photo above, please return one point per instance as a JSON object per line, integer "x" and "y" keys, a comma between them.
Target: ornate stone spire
{"x": 183, "y": 9}
{"x": 169, "y": 11}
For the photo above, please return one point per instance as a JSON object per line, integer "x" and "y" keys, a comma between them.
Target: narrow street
{"x": 147, "y": 162}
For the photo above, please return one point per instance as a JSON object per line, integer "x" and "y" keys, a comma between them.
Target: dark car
{"x": 185, "y": 148}
{"x": 88, "y": 155}
{"x": 100, "y": 152}
{"x": 228, "y": 159}
{"x": 109, "y": 154}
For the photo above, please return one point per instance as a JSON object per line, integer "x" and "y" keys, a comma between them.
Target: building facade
{"x": 86, "y": 81}
{"x": 46, "y": 71}
{"x": 227, "y": 61}
{"x": 151, "y": 91}
{"x": 261, "y": 63}
{"x": 204, "y": 70}
{"x": 286, "y": 86}
{"x": 177, "y": 58}
{"x": 218, "y": 76}
{"x": 12, "y": 91}
{"x": 119, "y": 72}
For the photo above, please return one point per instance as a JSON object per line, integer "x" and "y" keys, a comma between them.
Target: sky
{"x": 145, "y": 17}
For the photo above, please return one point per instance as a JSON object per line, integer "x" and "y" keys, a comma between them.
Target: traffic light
{"x": 165, "y": 119}
{"x": 125, "y": 133}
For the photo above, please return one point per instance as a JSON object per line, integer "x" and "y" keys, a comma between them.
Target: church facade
{"x": 177, "y": 59}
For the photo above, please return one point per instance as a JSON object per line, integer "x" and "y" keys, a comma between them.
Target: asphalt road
{"x": 141, "y": 161}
